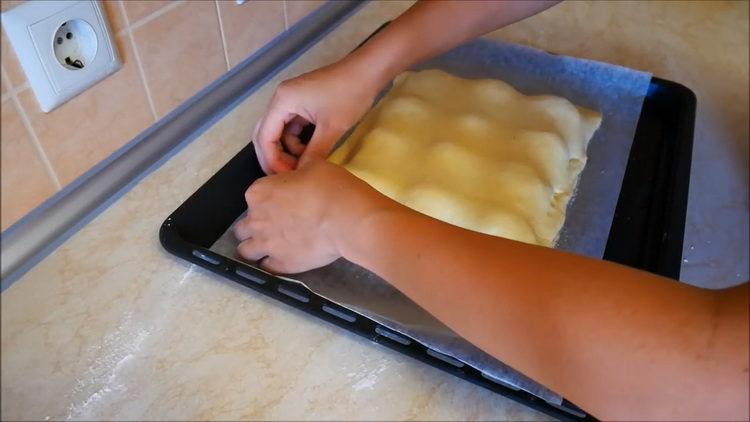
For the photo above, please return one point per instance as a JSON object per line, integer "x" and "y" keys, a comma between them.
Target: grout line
{"x": 17, "y": 90}
{"x": 6, "y": 85}
{"x": 137, "y": 24}
{"x": 223, "y": 37}
{"x": 5, "y": 82}
{"x": 9, "y": 88}
{"x": 286, "y": 18}
{"x": 139, "y": 64}
{"x": 34, "y": 139}
{"x": 20, "y": 88}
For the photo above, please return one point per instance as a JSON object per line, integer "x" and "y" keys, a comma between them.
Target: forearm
{"x": 617, "y": 341}
{"x": 431, "y": 27}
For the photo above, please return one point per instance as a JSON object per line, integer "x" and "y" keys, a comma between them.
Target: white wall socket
{"x": 64, "y": 47}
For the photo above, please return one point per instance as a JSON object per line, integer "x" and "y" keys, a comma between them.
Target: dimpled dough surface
{"x": 474, "y": 153}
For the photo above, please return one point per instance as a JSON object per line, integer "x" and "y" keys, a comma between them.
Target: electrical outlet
{"x": 64, "y": 47}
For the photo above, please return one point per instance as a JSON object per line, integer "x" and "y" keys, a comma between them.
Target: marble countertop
{"x": 110, "y": 326}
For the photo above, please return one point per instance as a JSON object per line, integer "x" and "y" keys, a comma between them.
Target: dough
{"x": 474, "y": 153}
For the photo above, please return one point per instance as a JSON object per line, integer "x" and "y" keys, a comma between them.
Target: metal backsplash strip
{"x": 49, "y": 225}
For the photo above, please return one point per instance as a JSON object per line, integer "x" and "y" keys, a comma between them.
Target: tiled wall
{"x": 170, "y": 50}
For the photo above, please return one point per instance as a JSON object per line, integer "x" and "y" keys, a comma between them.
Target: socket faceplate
{"x": 33, "y": 29}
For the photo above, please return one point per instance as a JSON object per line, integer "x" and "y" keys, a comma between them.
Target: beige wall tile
{"x": 114, "y": 16}
{"x": 181, "y": 52}
{"x": 298, "y": 9}
{"x": 10, "y": 63}
{"x": 139, "y": 9}
{"x": 88, "y": 128}
{"x": 24, "y": 182}
{"x": 250, "y": 26}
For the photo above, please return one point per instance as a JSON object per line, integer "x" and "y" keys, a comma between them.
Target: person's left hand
{"x": 295, "y": 220}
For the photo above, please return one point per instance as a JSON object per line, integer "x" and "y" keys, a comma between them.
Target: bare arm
{"x": 432, "y": 27}
{"x": 335, "y": 97}
{"x": 621, "y": 343}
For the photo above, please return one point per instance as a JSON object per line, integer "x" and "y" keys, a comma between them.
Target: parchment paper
{"x": 614, "y": 91}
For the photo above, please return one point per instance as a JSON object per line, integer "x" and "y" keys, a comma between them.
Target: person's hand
{"x": 332, "y": 98}
{"x": 296, "y": 220}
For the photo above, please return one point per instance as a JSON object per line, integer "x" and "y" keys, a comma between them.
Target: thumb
{"x": 320, "y": 145}
{"x": 272, "y": 157}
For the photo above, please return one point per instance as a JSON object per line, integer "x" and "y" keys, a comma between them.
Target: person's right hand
{"x": 333, "y": 98}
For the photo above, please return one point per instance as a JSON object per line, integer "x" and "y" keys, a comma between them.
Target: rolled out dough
{"x": 474, "y": 153}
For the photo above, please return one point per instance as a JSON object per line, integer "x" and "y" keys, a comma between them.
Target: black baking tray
{"x": 646, "y": 233}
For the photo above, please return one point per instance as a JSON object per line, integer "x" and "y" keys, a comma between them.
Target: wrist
{"x": 370, "y": 77}
{"x": 373, "y": 64}
{"x": 356, "y": 224}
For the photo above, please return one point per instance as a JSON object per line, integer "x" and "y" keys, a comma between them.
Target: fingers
{"x": 257, "y": 147}
{"x": 261, "y": 157}
{"x": 254, "y": 250}
{"x": 243, "y": 230}
{"x": 273, "y": 265}
{"x": 290, "y": 137}
{"x": 251, "y": 250}
{"x": 246, "y": 230}
{"x": 268, "y": 146}
{"x": 296, "y": 125}
{"x": 320, "y": 145}
{"x": 293, "y": 144}
{"x": 256, "y": 213}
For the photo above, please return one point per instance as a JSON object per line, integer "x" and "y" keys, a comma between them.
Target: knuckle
{"x": 239, "y": 231}
{"x": 250, "y": 194}
{"x": 254, "y": 192}
{"x": 246, "y": 251}
{"x": 257, "y": 228}
{"x": 282, "y": 90}
{"x": 274, "y": 265}
{"x": 243, "y": 248}
{"x": 260, "y": 184}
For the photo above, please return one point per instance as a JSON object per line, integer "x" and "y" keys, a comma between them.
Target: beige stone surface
{"x": 110, "y": 326}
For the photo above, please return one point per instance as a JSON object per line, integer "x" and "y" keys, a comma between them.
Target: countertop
{"x": 110, "y": 326}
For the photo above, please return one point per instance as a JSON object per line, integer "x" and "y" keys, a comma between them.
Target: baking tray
{"x": 646, "y": 232}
